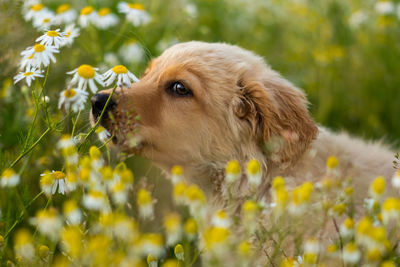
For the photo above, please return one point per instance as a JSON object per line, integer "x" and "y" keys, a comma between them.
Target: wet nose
{"x": 99, "y": 102}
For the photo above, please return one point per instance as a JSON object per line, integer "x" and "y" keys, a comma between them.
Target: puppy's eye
{"x": 178, "y": 89}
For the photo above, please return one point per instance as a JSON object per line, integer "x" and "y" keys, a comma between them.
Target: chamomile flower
{"x": 119, "y": 193}
{"x": 232, "y": 171}
{"x": 179, "y": 252}
{"x": 103, "y": 134}
{"x": 347, "y": 228}
{"x": 87, "y": 16}
{"x": 190, "y": 228}
{"x": 176, "y": 174}
{"x": 36, "y": 11}
{"x": 122, "y": 74}
{"x": 254, "y": 172}
{"x": 391, "y": 210}
{"x": 311, "y": 250}
{"x": 46, "y": 182}
{"x": 96, "y": 200}
{"x": 40, "y": 54}
{"x": 51, "y": 37}
{"x": 73, "y": 98}
{"x": 152, "y": 243}
{"x": 377, "y": 187}
{"x": 396, "y": 178}
{"x": 152, "y": 261}
{"x": 215, "y": 239}
{"x": 145, "y": 203}
{"x": 72, "y": 212}
{"x": 173, "y": 228}
{"x": 29, "y": 74}
{"x": 9, "y": 178}
{"x": 135, "y": 13}
{"x": 44, "y": 21}
{"x": 351, "y": 254}
{"x": 86, "y": 75}
{"x": 65, "y": 14}
{"x": 221, "y": 219}
{"x": 23, "y": 245}
{"x": 384, "y": 7}
{"x": 58, "y": 182}
{"x": 70, "y": 33}
{"x": 105, "y": 19}
{"x": 48, "y": 223}
{"x": 131, "y": 51}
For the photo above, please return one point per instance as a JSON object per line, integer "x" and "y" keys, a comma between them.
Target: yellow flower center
{"x": 46, "y": 20}
{"x": 70, "y": 206}
{"x": 250, "y": 206}
{"x": 63, "y": 8}
{"x": 8, "y": 173}
{"x": 332, "y": 162}
{"x": 253, "y": 167}
{"x": 52, "y": 33}
{"x": 96, "y": 194}
{"x": 94, "y": 152}
{"x": 349, "y": 223}
{"x": 378, "y": 185}
{"x": 67, "y": 34}
{"x": 28, "y": 73}
{"x": 59, "y": 175}
{"x": 391, "y": 203}
{"x": 86, "y": 10}
{"x": 144, "y": 197}
{"x": 86, "y": 71}
{"x": 104, "y": 11}
{"x": 136, "y": 6}
{"x": 190, "y": 226}
{"x": 233, "y": 167}
{"x": 39, "y": 48}
{"x": 278, "y": 183}
{"x": 69, "y": 93}
{"x": 37, "y": 7}
{"x": 120, "y": 69}
{"x": 177, "y": 170}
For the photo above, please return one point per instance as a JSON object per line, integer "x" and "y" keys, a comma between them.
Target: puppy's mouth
{"x": 122, "y": 125}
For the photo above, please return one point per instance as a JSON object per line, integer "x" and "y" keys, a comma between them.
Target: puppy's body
{"x": 237, "y": 108}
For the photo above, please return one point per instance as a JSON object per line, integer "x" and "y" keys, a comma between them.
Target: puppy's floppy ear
{"x": 278, "y": 116}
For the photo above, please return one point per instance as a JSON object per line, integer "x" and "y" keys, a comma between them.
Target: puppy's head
{"x": 204, "y": 103}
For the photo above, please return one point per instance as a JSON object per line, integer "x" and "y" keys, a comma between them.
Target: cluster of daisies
{"x": 42, "y": 17}
{"x": 39, "y": 56}
{"x": 94, "y": 218}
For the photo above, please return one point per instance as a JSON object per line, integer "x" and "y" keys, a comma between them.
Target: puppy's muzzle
{"x": 99, "y": 102}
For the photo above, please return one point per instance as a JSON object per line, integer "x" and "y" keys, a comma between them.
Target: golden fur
{"x": 240, "y": 109}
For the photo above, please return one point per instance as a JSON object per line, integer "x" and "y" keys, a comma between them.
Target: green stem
{"x": 118, "y": 37}
{"x": 74, "y": 123}
{"x": 30, "y": 148}
{"x": 22, "y": 215}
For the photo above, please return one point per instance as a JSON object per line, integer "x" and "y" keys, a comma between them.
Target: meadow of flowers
{"x": 68, "y": 199}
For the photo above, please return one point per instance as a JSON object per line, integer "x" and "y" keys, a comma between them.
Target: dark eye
{"x": 179, "y": 89}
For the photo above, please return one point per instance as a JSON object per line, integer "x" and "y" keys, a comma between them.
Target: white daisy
{"x": 84, "y": 75}
{"x": 384, "y": 7}
{"x": 131, "y": 52}
{"x": 50, "y": 181}
{"x": 65, "y": 14}
{"x": 9, "y": 178}
{"x": 48, "y": 222}
{"x": 103, "y": 134}
{"x": 95, "y": 200}
{"x": 105, "y": 19}
{"x": 55, "y": 38}
{"x": 44, "y": 21}
{"x": 74, "y": 98}
{"x": 35, "y": 11}
{"x": 357, "y": 18}
{"x": 123, "y": 75}
{"x": 88, "y": 15}
{"x": 71, "y": 32}
{"x": 30, "y": 74}
{"x": 39, "y": 55}
{"x": 135, "y": 13}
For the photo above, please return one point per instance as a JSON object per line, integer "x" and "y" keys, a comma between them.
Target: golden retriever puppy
{"x": 200, "y": 105}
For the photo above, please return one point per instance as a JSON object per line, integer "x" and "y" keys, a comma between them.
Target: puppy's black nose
{"x": 98, "y": 104}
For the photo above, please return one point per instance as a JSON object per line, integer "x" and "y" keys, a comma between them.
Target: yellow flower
{"x": 190, "y": 228}
{"x": 215, "y": 236}
{"x": 145, "y": 204}
{"x": 254, "y": 172}
{"x": 44, "y": 252}
{"x": 278, "y": 183}
{"x": 232, "y": 171}
{"x": 244, "y": 248}
{"x": 377, "y": 187}
{"x": 151, "y": 260}
{"x": 332, "y": 162}
{"x": 177, "y": 173}
{"x": 194, "y": 194}
{"x": 173, "y": 229}
{"x": 170, "y": 263}
{"x": 339, "y": 209}
{"x": 179, "y": 192}
{"x": 391, "y": 209}
{"x": 179, "y": 252}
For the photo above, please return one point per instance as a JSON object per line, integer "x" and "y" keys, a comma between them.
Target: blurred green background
{"x": 343, "y": 53}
